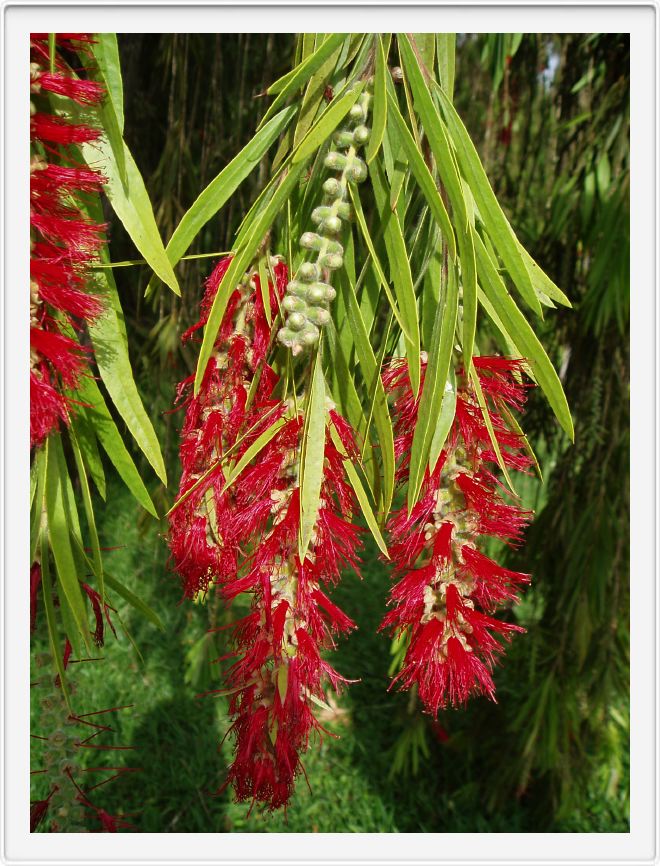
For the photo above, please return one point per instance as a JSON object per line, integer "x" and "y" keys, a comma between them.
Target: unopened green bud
{"x": 332, "y": 186}
{"x": 331, "y": 261}
{"x": 297, "y": 288}
{"x": 296, "y": 321}
{"x": 344, "y": 210}
{"x": 361, "y": 134}
{"x": 287, "y": 337}
{"x": 309, "y": 272}
{"x": 310, "y": 336}
{"x": 319, "y": 293}
{"x": 318, "y": 315}
{"x": 331, "y": 225}
{"x": 311, "y": 241}
{"x": 343, "y": 138}
{"x": 358, "y": 171}
{"x": 293, "y": 304}
{"x": 336, "y": 161}
{"x": 319, "y": 214}
{"x": 356, "y": 112}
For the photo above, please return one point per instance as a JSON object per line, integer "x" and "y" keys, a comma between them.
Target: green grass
{"x": 176, "y": 736}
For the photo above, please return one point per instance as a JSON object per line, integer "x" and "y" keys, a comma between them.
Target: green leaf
{"x": 238, "y": 267}
{"x": 108, "y": 334}
{"x": 445, "y": 420}
{"x": 436, "y": 134}
{"x": 136, "y": 602}
{"x": 89, "y": 511}
{"x": 371, "y": 373}
{"x": 224, "y": 185}
{"x": 106, "y": 52}
{"x": 437, "y": 373}
{"x": 58, "y": 536}
{"x": 423, "y": 177}
{"x": 89, "y": 450}
{"x": 425, "y": 43}
{"x": 378, "y": 268}
{"x": 379, "y": 114}
{"x": 481, "y": 400}
{"x": 524, "y": 338}
{"x": 312, "y": 458}
{"x": 469, "y": 281}
{"x": 541, "y": 281}
{"x": 315, "y": 92}
{"x": 446, "y": 50}
{"x": 51, "y": 619}
{"x": 98, "y": 417}
{"x": 496, "y": 223}
{"x": 130, "y": 201}
{"x": 326, "y": 124}
{"x": 298, "y": 77}
{"x": 400, "y": 274}
{"x": 365, "y": 506}
{"x": 39, "y": 471}
{"x": 253, "y": 450}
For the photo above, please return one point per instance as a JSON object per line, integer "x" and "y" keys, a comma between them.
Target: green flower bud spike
{"x": 309, "y": 294}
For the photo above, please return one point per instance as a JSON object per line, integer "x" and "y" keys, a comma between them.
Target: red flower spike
{"x": 442, "y": 576}
{"x": 64, "y": 242}
{"x": 277, "y": 665}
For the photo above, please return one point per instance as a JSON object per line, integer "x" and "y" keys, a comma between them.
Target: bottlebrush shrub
{"x": 447, "y": 588}
{"x": 67, "y": 807}
{"x": 63, "y": 240}
{"x": 245, "y": 539}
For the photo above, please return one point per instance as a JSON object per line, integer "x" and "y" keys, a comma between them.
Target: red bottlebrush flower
{"x": 442, "y": 576}
{"x": 64, "y": 241}
{"x": 245, "y": 540}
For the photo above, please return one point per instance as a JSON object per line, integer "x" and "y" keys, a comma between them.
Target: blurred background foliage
{"x": 550, "y": 117}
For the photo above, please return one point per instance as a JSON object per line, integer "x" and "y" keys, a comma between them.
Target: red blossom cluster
{"x": 447, "y": 588}
{"x": 63, "y": 240}
{"x": 245, "y": 539}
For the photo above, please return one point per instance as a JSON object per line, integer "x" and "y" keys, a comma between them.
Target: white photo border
{"x": 640, "y": 845}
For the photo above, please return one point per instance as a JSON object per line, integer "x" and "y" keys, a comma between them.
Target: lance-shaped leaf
{"x": 224, "y": 185}
{"x": 445, "y": 420}
{"x": 523, "y": 336}
{"x": 297, "y": 78}
{"x": 135, "y": 602}
{"x": 371, "y": 373}
{"x": 446, "y": 53}
{"x": 497, "y": 225}
{"x": 397, "y": 254}
{"x": 315, "y": 91}
{"x": 379, "y": 111}
{"x": 238, "y": 267}
{"x": 252, "y": 451}
{"x": 481, "y": 400}
{"x": 97, "y": 415}
{"x": 130, "y": 201}
{"x": 360, "y": 493}
{"x": 90, "y": 453}
{"x": 312, "y": 457}
{"x": 377, "y": 266}
{"x": 437, "y": 373}
{"x": 89, "y": 512}
{"x": 108, "y": 333}
{"x": 326, "y": 124}
{"x": 56, "y": 645}
{"x": 423, "y": 176}
{"x": 58, "y": 536}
